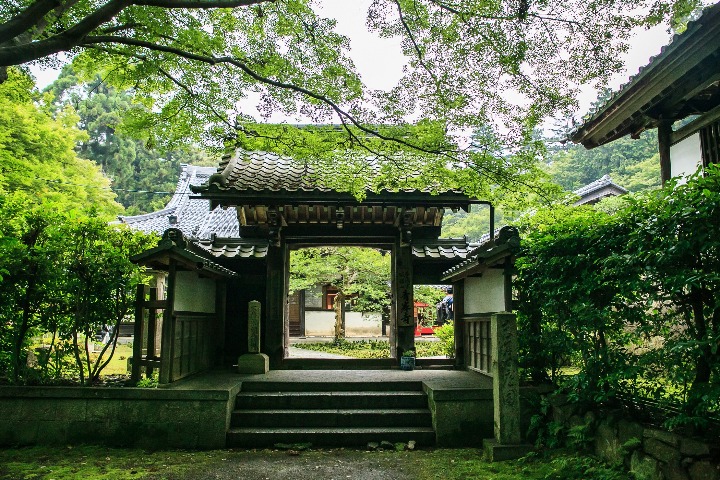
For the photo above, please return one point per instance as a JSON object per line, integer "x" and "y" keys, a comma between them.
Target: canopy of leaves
{"x": 498, "y": 65}
{"x": 37, "y": 157}
{"x": 138, "y": 173}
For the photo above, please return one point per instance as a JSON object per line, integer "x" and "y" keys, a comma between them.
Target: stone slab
{"x": 496, "y": 452}
{"x": 254, "y": 363}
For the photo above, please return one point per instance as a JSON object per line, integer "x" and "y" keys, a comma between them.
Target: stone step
{"x": 358, "y": 386}
{"x": 330, "y": 400}
{"x": 341, "y": 437}
{"x": 402, "y": 417}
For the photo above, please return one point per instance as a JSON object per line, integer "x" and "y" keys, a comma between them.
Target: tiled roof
{"x": 175, "y": 246}
{"x": 192, "y": 216}
{"x": 505, "y": 242}
{"x": 603, "y": 182}
{"x": 443, "y": 249}
{"x": 708, "y": 15}
{"x": 269, "y": 172}
{"x": 232, "y": 249}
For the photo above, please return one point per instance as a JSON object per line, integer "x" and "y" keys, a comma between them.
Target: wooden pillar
{"x": 152, "y": 322}
{"x": 168, "y": 328}
{"x": 402, "y": 283}
{"x": 274, "y": 327}
{"x": 664, "y": 134}
{"x": 220, "y": 316}
{"x": 459, "y": 322}
{"x": 138, "y": 333}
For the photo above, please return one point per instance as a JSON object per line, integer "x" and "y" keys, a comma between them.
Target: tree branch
{"x": 200, "y": 4}
{"x": 346, "y": 118}
{"x": 26, "y": 19}
{"x": 414, "y": 43}
{"x": 70, "y": 38}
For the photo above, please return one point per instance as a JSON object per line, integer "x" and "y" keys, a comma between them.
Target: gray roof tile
{"x": 265, "y": 171}
{"x": 193, "y": 216}
{"x": 603, "y": 182}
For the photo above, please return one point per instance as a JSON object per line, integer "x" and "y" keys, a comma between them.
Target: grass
{"x": 88, "y": 462}
{"x": 369, "y": 348}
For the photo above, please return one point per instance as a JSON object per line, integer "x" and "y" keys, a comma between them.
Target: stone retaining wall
{"x": 138, "y": 417}
{"x": 649, "y": 453}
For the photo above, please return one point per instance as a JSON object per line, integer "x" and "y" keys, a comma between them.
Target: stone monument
{"x": 506, "y": 390}
{"x": 254, "y": 362}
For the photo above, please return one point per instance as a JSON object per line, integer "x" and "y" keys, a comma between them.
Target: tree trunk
{"x": 703, "y": 369}
{"x": 338, "y": 305}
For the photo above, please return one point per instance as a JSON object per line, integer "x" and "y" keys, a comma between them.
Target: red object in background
{"x": 419, "y": 311}
{"x": 420, "y": 331}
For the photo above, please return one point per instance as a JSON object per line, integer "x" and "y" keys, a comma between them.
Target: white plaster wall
{"x": 486, "y": 293}
{"x": 685, "y": 156}
{"x": 357, "y": 324}
{"x": 319, "y": 323}
{"x": 194, "y": 294}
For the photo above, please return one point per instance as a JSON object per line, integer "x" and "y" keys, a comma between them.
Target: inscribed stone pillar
{"x": 253, "y": 362}
{"x": 402, "y": 284}
{"x": 506, "y": 382}
{"x": 254, "y": 327}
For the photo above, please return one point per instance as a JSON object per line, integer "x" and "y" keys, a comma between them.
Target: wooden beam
{"x": 695, "y": 126}
{"x": 459, "y": 321}
{"x": 168, "y": 329}
{"x": 155, "y": 303}
{"x": 273, "y": 336}
{"x": 402, "y": 284}
{"x": 152, "y": 325}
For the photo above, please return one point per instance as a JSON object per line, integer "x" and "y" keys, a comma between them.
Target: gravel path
{"x": 337, "y": 464}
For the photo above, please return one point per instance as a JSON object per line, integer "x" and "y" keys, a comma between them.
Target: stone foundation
{"x": 649, "y": 453}
{"x": 137, "y": 417}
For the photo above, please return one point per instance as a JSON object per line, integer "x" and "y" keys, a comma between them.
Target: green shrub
{"x": 446, "y": 334}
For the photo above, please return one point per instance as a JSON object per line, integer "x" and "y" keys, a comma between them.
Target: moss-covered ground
{"x": 88, "y": 462}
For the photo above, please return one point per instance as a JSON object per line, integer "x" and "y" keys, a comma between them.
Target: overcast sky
{"x": 380, "y": 61}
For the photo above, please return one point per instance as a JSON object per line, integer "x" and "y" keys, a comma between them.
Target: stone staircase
{"x": 330, "y": 414}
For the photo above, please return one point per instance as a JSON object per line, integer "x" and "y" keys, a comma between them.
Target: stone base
{"x": 254, "y": 363}
{"x": 495, "y": 452}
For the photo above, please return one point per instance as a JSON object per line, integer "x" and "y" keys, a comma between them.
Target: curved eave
{"x": 161, "y": 256}
{"x": 628, "y": 110}
{"x": 234, "y": 197}
{"x": 478, "y": 263}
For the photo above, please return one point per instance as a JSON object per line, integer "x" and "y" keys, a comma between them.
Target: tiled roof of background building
{"x": 192, "y": 216}
{"x": 603, "y": 182}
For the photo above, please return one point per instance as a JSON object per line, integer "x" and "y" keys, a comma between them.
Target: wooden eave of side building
{"x": 167, "y": 251}
{"x": 683, "y": 80}
{"x": 479, "y": 263}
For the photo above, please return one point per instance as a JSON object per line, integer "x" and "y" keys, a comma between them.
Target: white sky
{"x": 380, "y": 61}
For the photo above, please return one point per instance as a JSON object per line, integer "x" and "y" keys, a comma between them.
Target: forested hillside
{"x": 138, "y": 172}
{"x": 633, "y": 164}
